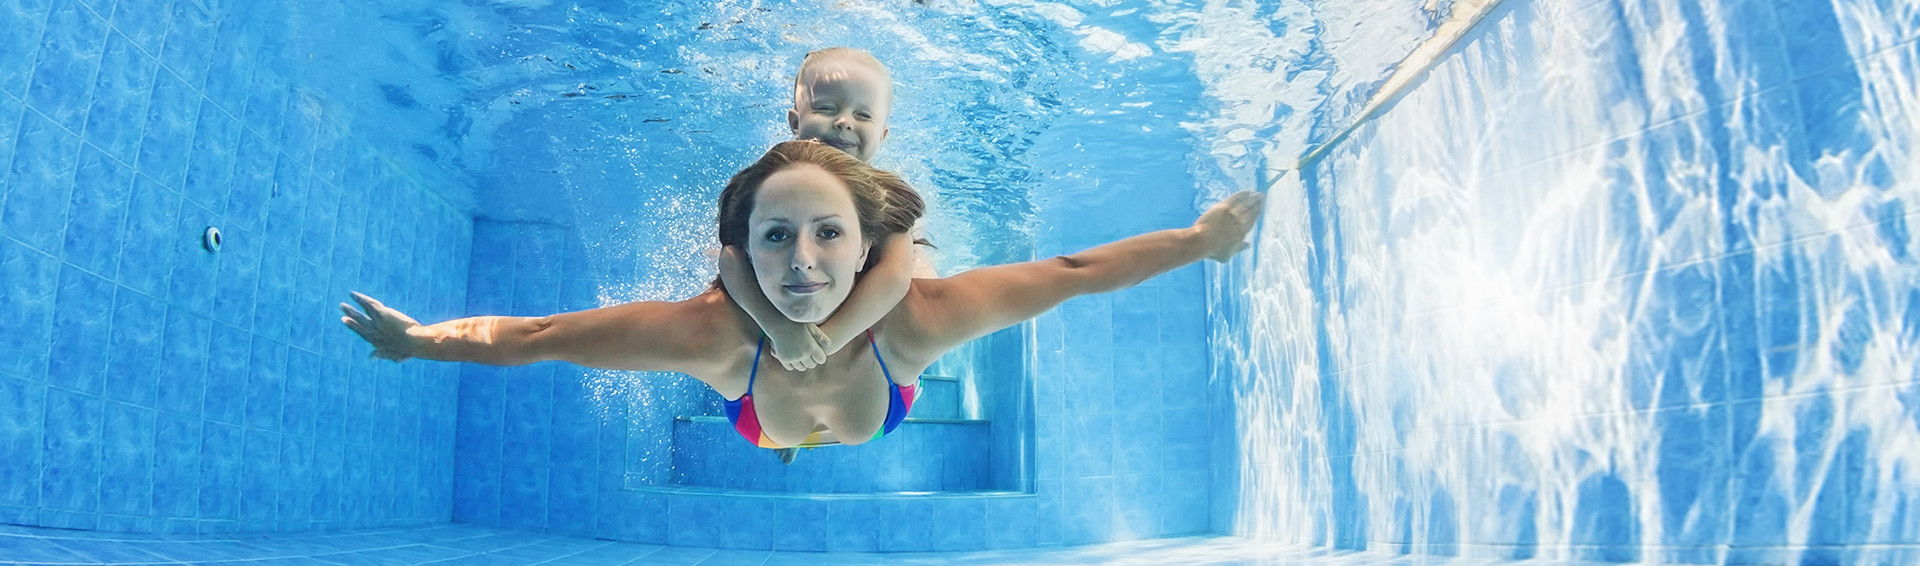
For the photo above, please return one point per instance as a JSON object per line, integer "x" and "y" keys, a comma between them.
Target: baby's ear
{"x": 793, "y": 121}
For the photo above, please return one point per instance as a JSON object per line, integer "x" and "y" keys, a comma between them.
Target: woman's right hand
{"x": 386, "y": 329}
{"x": 799, "y": 347}
{"x": 1224, "y": 227}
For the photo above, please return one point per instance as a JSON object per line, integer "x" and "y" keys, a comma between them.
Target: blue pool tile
{"x": 298, "y": 130}
{"x": 71, "y": 478}
{"x": 309, "y": 306}
{"x": 322, "y": 212}
{"x": 109, "y": 551}
{"x": 360, "y": 401}
{"x": 266, "y": 105}
{"x": 1130, "y": 455}
{"x": 143, "y": 21}
{"x": 146, "y": 260}
{"x": 29, "y": 289}
{"x": 298, "y": 474}
{"x": 1088, "y": 512}
{"x": 97, "y": 211}
{"x": 287, "y": 208}
{"x": 1187, "y": 506}
{"x": 133, "y": 370}
{"x": 1137, "y": 505}
{"x": 39, "y": 183}
{"x": 275, "y": 291}
{"x": 1138, "y": 374}
{"x": 237, "y": 276}
{"x": 120, "y": 98}
{"x": 1184, "y": 439}
{"x": 22, "y": 408}
{"x": 302, "y": 392}
{"x": 227, "y": 370}
{"x": 69, "y": 56}
{"x": 210, "y": 166}
{"x": 20, "y": 42}
{"x": 126, "y": 458}
{"x": 29, "y": 549}
{"x": 9, "y": 132}
{"x": 230, "y": 72}
{"x": 1090, "y": 453}
{"x": 80, "y": 332}
{"x": 1604, "y": 525}
{"x": 259, "y": 485}
{"x": 329, "y": 470}
{"x": 251, "y": 182}
{"x": 189, "y": 44}
{"x": 266, "y": 384}
{"x": 330, "y": 402}
{"x": 176, "y": 465}
{"x": 168, "y": 133}
{"x": 193, "y": 281}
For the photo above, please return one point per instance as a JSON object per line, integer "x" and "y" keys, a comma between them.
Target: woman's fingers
{"x": 354, "y": 315}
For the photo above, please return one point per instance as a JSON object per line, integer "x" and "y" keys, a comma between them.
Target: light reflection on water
{"x": 1609, "y": 284}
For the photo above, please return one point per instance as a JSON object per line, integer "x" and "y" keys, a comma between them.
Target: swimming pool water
{"x": 1617, "y": 280}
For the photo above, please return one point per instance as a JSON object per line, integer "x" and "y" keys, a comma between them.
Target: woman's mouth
{"x": 805, "y": 288}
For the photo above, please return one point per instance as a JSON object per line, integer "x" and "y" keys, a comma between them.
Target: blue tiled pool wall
{"x": 1620, "y": 280}
{"x": 149, "y": 385}
{"x": 544, "y": 445}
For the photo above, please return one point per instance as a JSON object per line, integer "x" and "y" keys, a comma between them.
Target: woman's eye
{"x": 777, "y": 236}
{"x": 829, "y": 233}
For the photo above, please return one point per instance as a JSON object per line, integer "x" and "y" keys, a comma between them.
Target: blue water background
{"x": 1619, "y": 280}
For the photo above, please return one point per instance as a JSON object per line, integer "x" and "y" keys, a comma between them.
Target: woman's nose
{"x": 803, "y": 256}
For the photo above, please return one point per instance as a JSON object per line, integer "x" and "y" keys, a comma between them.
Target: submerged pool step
{"x": 923, "y": 455}
{"x": 940, "y": 397}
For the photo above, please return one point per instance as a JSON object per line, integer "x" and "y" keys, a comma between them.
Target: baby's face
{"x": 843, "y": 103}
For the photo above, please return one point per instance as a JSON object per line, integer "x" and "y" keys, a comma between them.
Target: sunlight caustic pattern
{"x": 1619, "y": 280}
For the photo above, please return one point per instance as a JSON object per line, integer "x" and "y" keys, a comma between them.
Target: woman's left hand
{"x": 1224, "y": 227}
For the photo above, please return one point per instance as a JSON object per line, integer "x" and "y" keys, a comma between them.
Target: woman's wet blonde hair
{"x": 886, "y": 204}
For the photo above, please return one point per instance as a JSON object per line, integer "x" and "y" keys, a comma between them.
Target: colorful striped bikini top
{"x": 747, "y": 422}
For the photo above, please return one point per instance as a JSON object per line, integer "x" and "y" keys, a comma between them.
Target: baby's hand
{"x": 799, "y": 347}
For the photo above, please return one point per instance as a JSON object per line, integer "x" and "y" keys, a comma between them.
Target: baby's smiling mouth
{"x": 837, "y": 143}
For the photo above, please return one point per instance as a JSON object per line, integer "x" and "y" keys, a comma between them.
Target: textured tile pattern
{"x": 449, "y": 544}
{"x": 148, "y": 385}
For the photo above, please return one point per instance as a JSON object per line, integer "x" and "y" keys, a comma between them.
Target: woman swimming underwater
{"x": 806, "y": 215}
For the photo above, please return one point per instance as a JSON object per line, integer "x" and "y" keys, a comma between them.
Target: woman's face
{"x": 804, "y": 240}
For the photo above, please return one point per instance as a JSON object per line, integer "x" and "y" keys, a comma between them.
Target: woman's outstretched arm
{"x": 972, "y": 304}
{"x": 642, "y": 336}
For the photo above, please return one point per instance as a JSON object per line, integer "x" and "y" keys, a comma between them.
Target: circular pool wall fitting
{"x": 211, "y": 239}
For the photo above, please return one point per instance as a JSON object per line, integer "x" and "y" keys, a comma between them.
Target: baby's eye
{"x": 864, "y": 115}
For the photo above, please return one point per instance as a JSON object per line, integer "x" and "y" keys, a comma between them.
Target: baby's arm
{"x": 884, "y": 285}
{"x": 798, "y": 346}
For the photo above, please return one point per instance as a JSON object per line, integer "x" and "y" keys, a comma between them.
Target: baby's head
{"x": 842, "y": 97}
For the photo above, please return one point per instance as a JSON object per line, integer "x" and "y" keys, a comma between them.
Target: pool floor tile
{"x": 459, "y": 545}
